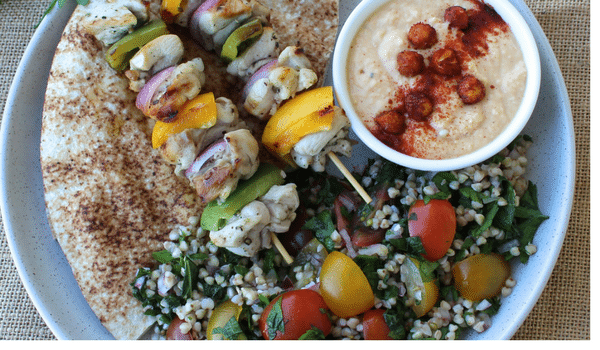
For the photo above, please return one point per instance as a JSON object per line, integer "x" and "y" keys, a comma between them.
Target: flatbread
{"x": 310, "y": 25}
{"x": 111, "y": 200}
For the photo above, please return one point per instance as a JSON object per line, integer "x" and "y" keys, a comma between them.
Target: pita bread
{"x": 111, "y": 200}
{"x": 317, "y": 21}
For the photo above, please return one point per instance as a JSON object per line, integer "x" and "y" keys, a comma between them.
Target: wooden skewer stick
{"x": 286, "y": 256}
{"x": 361, "y": 191}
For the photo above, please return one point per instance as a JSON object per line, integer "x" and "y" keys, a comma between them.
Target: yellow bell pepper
{"x": 169, "y": 9}
{"x": 198, "y": 113}
{"x": 305, "y": 114}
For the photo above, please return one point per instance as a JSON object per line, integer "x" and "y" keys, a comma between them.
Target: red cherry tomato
{"x": 301, "y": 310}
{"x": 174, "y": 331}
{"x": 435, "y": 224}
{"x": 374, "y": 326}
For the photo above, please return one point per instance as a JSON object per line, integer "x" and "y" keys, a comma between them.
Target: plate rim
{"x": 57, "y": 16}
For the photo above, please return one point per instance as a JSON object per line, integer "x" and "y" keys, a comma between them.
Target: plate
{"x": 47, "y": 276}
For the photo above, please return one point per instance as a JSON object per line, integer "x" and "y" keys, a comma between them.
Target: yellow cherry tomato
{"x": 480, "y": 276}
{"x": 344, "y": 286}
{"x": 424, "y": 291}
{"x": 219, "y": 318}
{"x": 307, "y": 113}
{"x": 198, "y": 113}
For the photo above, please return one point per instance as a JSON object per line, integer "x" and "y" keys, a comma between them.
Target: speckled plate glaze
{"x": 47, "y": 276}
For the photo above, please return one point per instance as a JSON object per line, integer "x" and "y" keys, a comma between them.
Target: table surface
{"x": 563, "y": 310}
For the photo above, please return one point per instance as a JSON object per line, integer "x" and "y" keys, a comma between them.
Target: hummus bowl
{"x": 355, "y": 99}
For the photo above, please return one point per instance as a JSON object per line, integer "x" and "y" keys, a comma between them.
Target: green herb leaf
{"x": 163, "y": 256}
{"x": 415, "y": 245}
{"x": 313, "y": 334}
{"x": 227, "y": 257}
{"x": 264, "y": 301}
{"x": 506, "y": 214}
{"x": 322, "y": 225}
{"x": 330, "y": 189}
{"x": 470, "y": 194}
{"x": 395, "y": 323}
{"x": 242, "y": 270}
{"x": 438, "y": 195}
{"x": 190, "y": 279}
{"x": 213, "y": 291}
{"x": 487, "y": 223}
{"x": 269, "y": 260}
{"x": 427, "y": 269}
{"x": 198, "y": 256}
{"x": 389, "y": 172}
{"x": 275, "y": 320}
{"x": 369, "y": 265}
{"x": 231, "y": 330}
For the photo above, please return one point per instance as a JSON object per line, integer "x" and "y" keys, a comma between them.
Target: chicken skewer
{"x": 260, "y": 207}
{"x": 268, "y": 87}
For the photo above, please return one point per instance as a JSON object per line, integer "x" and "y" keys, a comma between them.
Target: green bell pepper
{"x": 119, "y": 54}
{"x": 241, "y": 39}
{"x": 216, "y": 215}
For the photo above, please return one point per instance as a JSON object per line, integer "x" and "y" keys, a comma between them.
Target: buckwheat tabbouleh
{"x": 496, "y": 215}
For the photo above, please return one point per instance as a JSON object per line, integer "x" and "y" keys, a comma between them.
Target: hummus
{"x": 486, "y": 49}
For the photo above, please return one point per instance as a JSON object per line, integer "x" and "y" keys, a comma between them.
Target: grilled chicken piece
{"x": 262, "y": 51}
{"x": 216, "y": 171}
{"x": 312, "y": 149}
{"x": 248, "y": 231}
{"x": 184, "y": 83}
{"x": 111, "y": 20}
{"x": 290, "y": 75}
{"x": 213, "y": 26}
{"x": 189, "y": 7}
{"x": 183, "y": 148}
{"x": 160, "y": 53}
{"x": 282, "y": 202}
{"x": 243, "y": 233}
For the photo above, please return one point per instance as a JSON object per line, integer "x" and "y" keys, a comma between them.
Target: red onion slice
{"x": 263, "y": 72}
{"x": 204, "y": 156}
{"x": 348, "y": 242}
{"x": 194, "y": 23}
{"x": 144, "y": 97}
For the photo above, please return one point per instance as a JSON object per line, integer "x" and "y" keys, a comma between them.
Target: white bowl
{"x": 531, "y": 57}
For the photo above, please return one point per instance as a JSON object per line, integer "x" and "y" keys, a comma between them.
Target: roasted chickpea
{"x": 457, "y": 17}
{"x": 445, "y": 61}
{"x": 418, "y": 106}
{"x": 470, "y": 89}
{"x": 391, "y": 121}
{"x": 422, "y": 36}
{"x": 410, "y": 63}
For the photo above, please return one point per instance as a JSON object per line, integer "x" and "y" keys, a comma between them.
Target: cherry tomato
{"x": 174, "y": 331}
{"x": 419, "y": 287}
{"x": 344, "y": 286}
{"x": 219, "y": 318}
{"x": 293, "y": 313}
{"x": 480, "y": 276}
{"x": 435, "y": 224}
{"x": 374, "y": 326}
{"x": 366, "y": 236}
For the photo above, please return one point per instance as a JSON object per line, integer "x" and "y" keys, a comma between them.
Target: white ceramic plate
{"x": 48, "y": 278}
